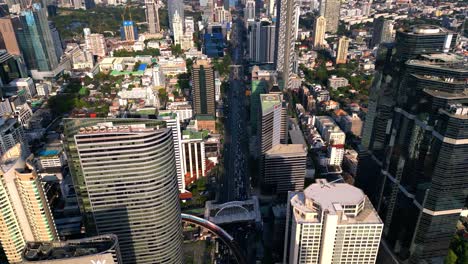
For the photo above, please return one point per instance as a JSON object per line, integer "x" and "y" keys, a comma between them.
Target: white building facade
{"x": 331, "y": 223}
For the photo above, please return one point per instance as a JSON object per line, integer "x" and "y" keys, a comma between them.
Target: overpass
{"x": 219, "y": 232}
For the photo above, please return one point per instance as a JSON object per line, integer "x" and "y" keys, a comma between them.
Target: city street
{"x": 235, "y": 184}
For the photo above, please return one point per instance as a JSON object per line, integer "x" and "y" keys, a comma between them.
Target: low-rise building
{"x": 335, "y": 82}
{"x": 193, "y": 155}
{"x": 102, "y": 249}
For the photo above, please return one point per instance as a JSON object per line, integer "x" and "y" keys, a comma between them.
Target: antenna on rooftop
{"x": 327, "y": 184}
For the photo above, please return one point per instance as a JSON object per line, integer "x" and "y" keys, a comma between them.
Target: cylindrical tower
{"x": 131, "y": 180}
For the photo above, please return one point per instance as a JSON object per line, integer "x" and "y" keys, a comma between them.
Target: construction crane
{"x": 127, "y": 7}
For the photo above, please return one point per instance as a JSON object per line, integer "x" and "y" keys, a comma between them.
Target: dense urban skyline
{"x": 229, "y": 131}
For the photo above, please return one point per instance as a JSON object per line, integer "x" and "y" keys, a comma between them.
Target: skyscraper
{"x": 417, "y": 136}
{"x": 267, "y": 43}
{"x": 25, "y": 214}
{"x": 262, "y": 80}
{"x": 331, "y": 223}
{"x": 177, "y": 28}
{"x": 319, "y": 31}
{"x": 382, "y": 31}
{"x": 11, "y": 133}
{"x": 129, "y": 170}
{"x": 172, "y": 7}
{"x": 249, "y": 10}
{"x": 36, "y": 39}
{"x": 262, "y": 42}
{"x": 8, "y": 37}
{"x": 269, "y": 122}
{"x": 330, "y": 9}
{"x": 172, "y": 120}
{"x": 203, "y": 88}
{"x": 152, "y": 16}
{"x": 342, "y": 51}
{"x": 11, "y": 67}
{"x": 56, "y": 40}
{"x": 287, "y": 33}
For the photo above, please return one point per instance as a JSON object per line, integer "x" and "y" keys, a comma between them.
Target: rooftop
{"x": 270, "y": 101}
{"x": 205, "y": 117}
{"x": 108, "y": 127}
{"x": 39, "y": 251}
{"x": 335, "y": 198}
{"x": 48, "y": 152}
{"x": 327, "y": 194}
{"x": 287, "y": 149}
{"x": 446, "y": 61}
{"x": 190, "y": 134}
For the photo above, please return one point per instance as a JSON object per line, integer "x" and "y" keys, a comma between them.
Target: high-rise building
{"x": 417, "y": 137}
{"x": 262, "y": 80}
{"x": 25, "y": 214}
{"x": 262, "y": 42}
{"x": 330, "y": 9}
{"x": 423, "y": 39}
{"x": 152, "y": 16}
{"x": 267, "y": 43}
{"x": 177, "y": 28}
{"x": 36, "y": 39}
{"x": 319, "y": 31}
{"x": 128, "y": 31}
{"x": 11, "y": 67}
{"x": 331, "y": 223}
{"x": 366, "y": 7}
{"x": 334, "y": 138}
{"x": 284, "y": 137}
{"x": 203, "y": 88}
{"x": 284, "y": 168}
{"x": 269, "y": 123}
{"x": 56, "y": 40}
{"x": 8, "y": 39}
{"x": 193, "y": 155}
{"x": 95, "y": 43}
{"x": 271, "y": 8}
{"x": 409, "y": 44}
{"x": 287, "y": 24}
{"x": 249, "y": 10}
{"x": 382, "y": 31}
{"x": 128, "y": 167}
{"x": 189, "y": 24}
{"x": 97, "y": 250}
{"x": 172, "y": 120}
{"x": 174, "y": 6}
{"x": 221, "y": 15}
{"x": 11, "y": 133}
{"x": 342, "y": 51}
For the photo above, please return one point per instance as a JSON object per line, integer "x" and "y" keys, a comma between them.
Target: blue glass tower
{"x": 35, "y": 39}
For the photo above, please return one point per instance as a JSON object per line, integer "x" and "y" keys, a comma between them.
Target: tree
{"x": 176, "y": 50}
{"x": 451, "y": 258}
{"x": 147, "y": 51}
{"x": 189, "y": 65}
{"x": 183, "y": 80}
{"x": 321, "y": 74}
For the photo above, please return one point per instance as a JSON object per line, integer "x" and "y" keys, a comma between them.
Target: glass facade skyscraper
{"x": 35, "y": 39}
{"x": 124, "y": 171}
{"x": 417, "y": 139}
